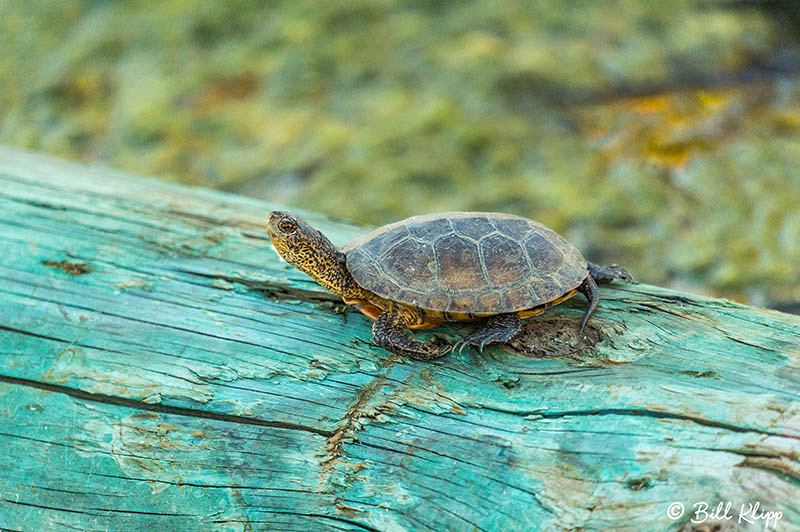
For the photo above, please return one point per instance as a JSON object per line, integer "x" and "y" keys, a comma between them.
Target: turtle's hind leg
{"x": 589, "y": 289}
{"x": 606, "y": 274}
{"x": 499, "y": 328}
{"x": 390, "y": 331}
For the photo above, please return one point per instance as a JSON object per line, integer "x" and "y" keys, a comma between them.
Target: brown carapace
{"x": 455, "y": 266}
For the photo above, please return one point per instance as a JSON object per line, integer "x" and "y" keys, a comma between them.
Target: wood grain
{"x": 160, "y": 368}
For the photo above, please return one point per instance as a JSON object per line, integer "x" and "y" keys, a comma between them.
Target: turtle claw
{"x": 470, "y": 340}
{"x": 440, "y": 346}
{"x": 460, "y": 345}
{"x": 428, "y": 351}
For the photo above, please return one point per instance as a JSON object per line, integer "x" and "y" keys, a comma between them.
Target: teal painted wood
{"x": 161, "y": 369}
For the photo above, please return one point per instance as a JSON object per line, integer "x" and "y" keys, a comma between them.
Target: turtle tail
{"x": 589, "y": 289}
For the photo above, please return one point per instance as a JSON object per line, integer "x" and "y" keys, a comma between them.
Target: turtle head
{"x": 308, "y": 250}
{"x": 297, "y": 242}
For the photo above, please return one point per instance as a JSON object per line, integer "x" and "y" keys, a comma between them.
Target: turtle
{"x": 428, "y": 270}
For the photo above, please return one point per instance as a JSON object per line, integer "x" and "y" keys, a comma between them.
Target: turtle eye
{"x": 287, "y": 226}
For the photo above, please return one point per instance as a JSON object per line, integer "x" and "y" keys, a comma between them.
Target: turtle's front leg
{"x": 390, "y": 331}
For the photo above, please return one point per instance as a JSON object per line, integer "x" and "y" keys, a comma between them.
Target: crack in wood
{"x": 152, "y": 407}
{"x": 783, "y": 466}
{"x": 54, "y": 508}
{"x": 351, "y": 422}
{"x": 635, "y": 412}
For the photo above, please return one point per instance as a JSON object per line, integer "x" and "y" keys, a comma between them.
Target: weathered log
{"x": 160, "y": 369}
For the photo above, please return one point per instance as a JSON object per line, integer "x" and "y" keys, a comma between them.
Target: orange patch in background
{"x": 651, "y": 104}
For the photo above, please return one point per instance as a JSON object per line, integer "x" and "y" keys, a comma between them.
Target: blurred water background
{"x": 664, "y": 136}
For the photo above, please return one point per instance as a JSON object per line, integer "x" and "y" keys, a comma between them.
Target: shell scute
{"x": 474, "y": 228}
{"x": 440, "y": 301}
{"x": 411, "y": 263}
{"x": 432, "y": 230}
{"x": 459, "y": 264}
{"x": 518, "y": 297}
{"x": 545, "y": 256}
{"x": 490, "y": 300}
{"x": 505, "y": 263}
{"x": 368, "y": 274}
{"x": 463, "y": 302}
{"x": 513, "y": 227}
{"x": 386, "y": 241}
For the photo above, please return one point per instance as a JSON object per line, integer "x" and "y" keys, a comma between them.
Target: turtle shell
{"x": 468, "y": 262}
